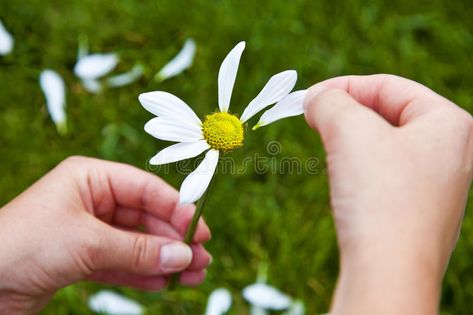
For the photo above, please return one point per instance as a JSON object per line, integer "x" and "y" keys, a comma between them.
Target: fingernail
{"x": 313, "y": 92}
{"x": 175, "y": 256}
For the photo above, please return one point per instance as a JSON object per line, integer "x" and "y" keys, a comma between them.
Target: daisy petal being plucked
{"x": 219, "y": 132}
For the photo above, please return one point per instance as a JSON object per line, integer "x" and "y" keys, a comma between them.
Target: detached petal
{"x": 178, "y": 64}
{"x": 179, "y": 151}
{"x": 166, "y": 129}
{"x": 95, "y": 66}
{"x": 195, "y": 184}
{"x": 54, "y": 90}
{"x": 220, "y": 301}
{"x": 277, "y": 87}
{"x": 167, "y": 105}
{"x": 126, "y": 78}
{"x": 111, "y": 303}
{"x": 267, "y": 297}
{"x": 6, "y": 40}
{"x": 227, "y": 76}
{"x": 291, "y": 105}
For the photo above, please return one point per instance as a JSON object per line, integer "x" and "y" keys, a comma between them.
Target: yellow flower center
{"x": 223, "y": 131}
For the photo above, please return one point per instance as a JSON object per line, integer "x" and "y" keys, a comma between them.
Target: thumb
{"x": 334, "y": 113}
{"x": 140, "y": 253}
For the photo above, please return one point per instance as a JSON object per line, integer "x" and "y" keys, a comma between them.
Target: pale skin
{"x": 81, "y": 221}
{"x": 400, "y": 163}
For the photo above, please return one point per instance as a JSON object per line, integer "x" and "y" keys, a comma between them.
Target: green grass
{"x": 283, "y": 220}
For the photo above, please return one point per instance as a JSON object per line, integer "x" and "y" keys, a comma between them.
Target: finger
{"x": 138, "y": 253}
{"x": 334, "y": 113}
{"x": 133, "y": 218}
{"x": 397, "y": 99}
{"x": 159, "y": 227}
{"x": 192, "y": 278}
{"x": 128, "y": 217}
{"x": 201, "y": 259}
{"x": 111, "y": 184}
{"x": 148, "y": 283}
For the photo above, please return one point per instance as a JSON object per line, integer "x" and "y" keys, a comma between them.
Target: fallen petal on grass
{"x": 219, "y": 302}
{"x": 178, "y": 64}
{"x": 111, "y": 303}
{"x": 54, "y": 91}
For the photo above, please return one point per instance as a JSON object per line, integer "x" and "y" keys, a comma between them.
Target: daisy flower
{"x": 219, "y": 132}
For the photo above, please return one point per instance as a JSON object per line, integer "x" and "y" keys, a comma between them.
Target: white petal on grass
{"x": 54, "y": 90}
{"x": 112, "y": 303}
{"x": 195, "y": 184}
{"x": 227, "y": 76}
{"x": 92, "y": 86}
{"x": 126, "y": 78}
{"x": 219, "y": 302}
{"x": 95, "y": 66}
{"x": 167, "y": 105}
{"x": 278, "y": 86}
{"x": 182, "y": 61}
{"x": 170, "y": 130}
{"x": 179, "y": 152}
{"x": 291, "y": 105}
{"x": 6, "y": 40}
{"x": 267, "y": 297}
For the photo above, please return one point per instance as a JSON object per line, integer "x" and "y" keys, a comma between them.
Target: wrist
{"x": 388, "y": 278}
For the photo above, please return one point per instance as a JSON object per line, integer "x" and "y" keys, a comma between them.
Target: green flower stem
{"x": 197, "y": 214}
{"x": 191, "y": 229}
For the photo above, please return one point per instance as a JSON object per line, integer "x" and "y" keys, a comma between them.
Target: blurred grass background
{"x": 283, "y": 220}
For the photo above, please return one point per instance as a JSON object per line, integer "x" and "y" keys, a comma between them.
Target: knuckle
{"x": 467, "y": 120}
{"x": 93, "y": 253}
{"x": 75, "y": 161}
{"x": 460, "y": 120}
{"x": 139, "y": 251}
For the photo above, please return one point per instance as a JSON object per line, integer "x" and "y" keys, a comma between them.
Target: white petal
{"x": 6, "y": 40}
{"x": 277, "y": 87}
{"x": 219, "y": 302}
{"x": 54, "y": 90}
{"x": 179, "y": 151}
{"x": 166, "y": 129}
{"x": 178, "y": 64}
{"x": 267, "y": 297}
{"x": 195, "y": 184}
{"x": 167, "y": 105}
{"x": 227, "y": 76}
{"x": 95, "y": 66}
{"x": 126, "y": 78}
{"x": 114, "y": 304}
{"x": 92, "y": 85}
{"x": 297, "y": 308}
{"x": 291, "y": 105}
